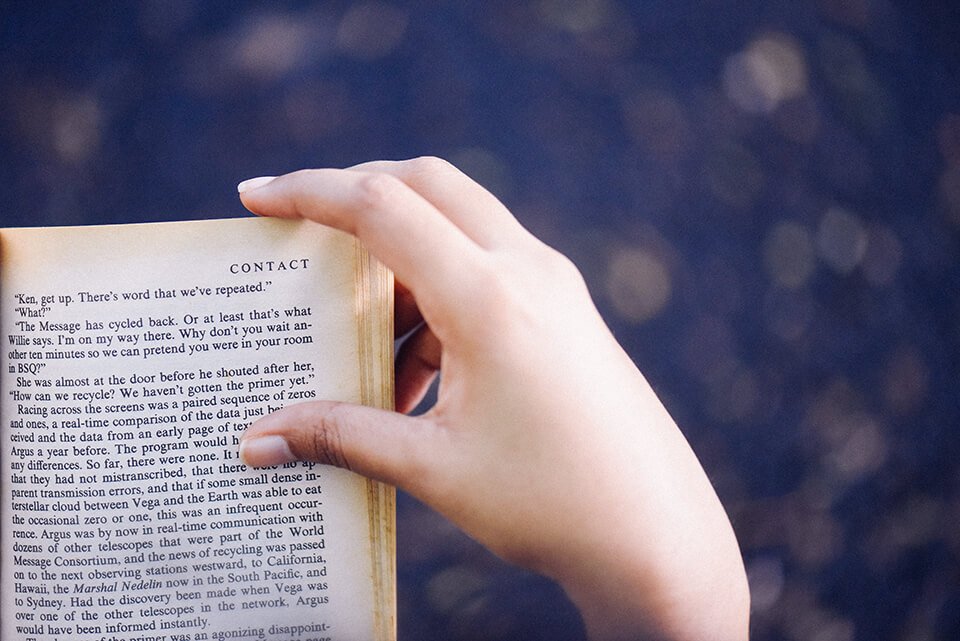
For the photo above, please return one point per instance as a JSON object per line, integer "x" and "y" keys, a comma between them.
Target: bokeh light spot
{"x": 733, "y": 396}
{"x": 788, "y": 255}
{"x": 657, "y": 121}
{"x": 841, "y": 240}
{"x": 371, "y": 30}
{"x": 905, "y": 380}
{"x": 577, "y": 16}
{"x": 835, "y": 630}
{"x": 862, "y": 448}
{"x": 765, "y": 577}
{"x": 638, "y": 284}
{"x": 76, "y": 127}
{"x": 454, "y": 585}
{"x": 272, "y": 45}
{"x": 860, "y": 96}
{"x": 771, "y": 70}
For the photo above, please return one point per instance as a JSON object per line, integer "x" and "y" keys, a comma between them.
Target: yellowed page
{"x": 135, "y": 355}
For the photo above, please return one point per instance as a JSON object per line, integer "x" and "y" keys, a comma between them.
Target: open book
{"x": 134, "y": 356}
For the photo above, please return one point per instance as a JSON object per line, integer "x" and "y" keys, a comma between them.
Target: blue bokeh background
{"x": 763, "y": 196}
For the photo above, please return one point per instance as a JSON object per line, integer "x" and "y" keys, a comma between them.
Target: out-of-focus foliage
{"x": 763, "y": 195}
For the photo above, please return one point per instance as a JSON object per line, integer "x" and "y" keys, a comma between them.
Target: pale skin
{"x": 546, "y": 443}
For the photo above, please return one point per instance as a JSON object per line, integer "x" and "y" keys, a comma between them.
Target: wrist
{"x": 653, "y": 554}
{"x": 625, "y": 602}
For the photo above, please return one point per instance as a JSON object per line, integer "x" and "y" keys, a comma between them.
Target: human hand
{"x": 546, "y": 444}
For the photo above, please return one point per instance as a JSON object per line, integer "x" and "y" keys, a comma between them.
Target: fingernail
{"x": 265, "y": 451}
{"x": 253, "y": 183}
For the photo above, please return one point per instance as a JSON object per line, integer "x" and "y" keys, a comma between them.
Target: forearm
{"x": 683, "y": 586}
{"x": 646, "y": 549}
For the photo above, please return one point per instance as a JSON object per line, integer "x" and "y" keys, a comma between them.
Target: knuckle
{"x": 499, "y": 292}
{"x": 305, "y": 179}
{"x": 430, "y": 166}
{"x": 521, "y": 295}
{"x": 552, "y": 267}
{"x": 492, "y": 281}
{"x": 376, "y": 191}
{"x": 326, "y": 439}
{"x": 561, "y": 269}
{"x": 304, "y": 182}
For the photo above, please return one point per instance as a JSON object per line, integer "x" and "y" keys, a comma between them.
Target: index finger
{"x": 426, "y": 251}
{"x": 458, "y": 197}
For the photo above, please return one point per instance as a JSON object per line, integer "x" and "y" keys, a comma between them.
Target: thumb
{"x": 379, "y": 444}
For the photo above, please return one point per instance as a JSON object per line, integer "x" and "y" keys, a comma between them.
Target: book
{"x": 135, "y": 357}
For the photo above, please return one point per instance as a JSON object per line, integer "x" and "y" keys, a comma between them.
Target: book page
{"x": 135, "y": 357}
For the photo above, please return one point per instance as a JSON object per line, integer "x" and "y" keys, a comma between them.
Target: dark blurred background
{"x": 764, "y": 197}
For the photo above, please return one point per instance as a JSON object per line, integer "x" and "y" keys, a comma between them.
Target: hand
{"x": 546, "y": 444}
